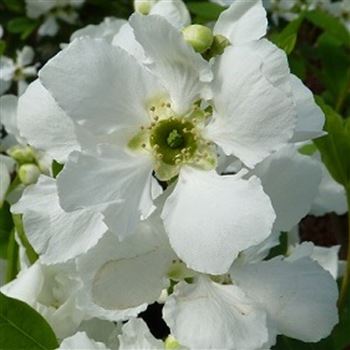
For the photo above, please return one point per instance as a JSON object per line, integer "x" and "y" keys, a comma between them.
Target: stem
{"x": 31, "y": 254}
{"x": 12, "y": 258}
{"x": 346, "y": 279}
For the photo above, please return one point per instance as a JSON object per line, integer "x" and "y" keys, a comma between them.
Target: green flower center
{"x": 174, "y": 140}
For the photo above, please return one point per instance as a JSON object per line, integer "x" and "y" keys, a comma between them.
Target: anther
{"x": 153, "y": 108}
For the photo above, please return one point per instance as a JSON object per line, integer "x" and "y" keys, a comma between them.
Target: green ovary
{"x": 173, "y": 140}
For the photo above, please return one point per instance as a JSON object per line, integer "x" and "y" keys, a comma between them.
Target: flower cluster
{"x": 159, "y": 161}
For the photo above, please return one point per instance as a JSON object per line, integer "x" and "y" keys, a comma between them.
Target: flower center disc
{"x": 174, "y": 140}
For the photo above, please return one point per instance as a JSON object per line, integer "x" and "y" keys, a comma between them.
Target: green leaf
{"x": 335, "y": 147}
{"x": 21, "y": 327}
{"x": 335, "y": 71}
{"x": 287, "y": 38}
{"x": 22, "y": 25}
{"x": 329, "y": 24}
{"x": 205, "y": 11}
{"x": 6, "y": 226}
{"x": 14, "y": 5}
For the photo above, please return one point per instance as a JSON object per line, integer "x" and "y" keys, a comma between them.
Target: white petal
{"x": 105, "y": 30}
{"x": 136, "y": 336}
{"x": 211, "y": 218}
{"x": 299, "y": 296}
{"x": 174, "y": 11}
{"x": 7, "y": 166}
{"x": 4, "y": 85}
{"x": 207, "y": 315}
{"x": 25, "y": 56}
{"x": 80, "y": 341}
{"x": 242, "y": 22}
{"x": 108, "y": 90}
{"x": 310, "y": 118}
{"x": 7, "y": 70}
{"x": 125, "y": 39}
{"x": 179, "y": 68}
{"x": 331, "y": 195}
{"x": 121, "y": 277}
{"x": 291, "y": 180}
{"x": 49, "y": 27}
{"x": 55, "y": 234}
{"x": 116, "y": 182}
{"x": 27, "y": 285}
{"x": 36, "y": 8}
{"x": 44, "y": 124}
{"x": 254, "y": 116}
{"x": 327, "y": 257}
{"x": 8, "y": 105}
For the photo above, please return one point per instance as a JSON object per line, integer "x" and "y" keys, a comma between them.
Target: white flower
{"x": 53, "y": 10}
{"x": 80, "y": 341}
{"x": 44, "y": 125}
{"x": 174, "y": 11}
{"x": 121, "y": 278}
{"x": 52, "y": 291}
{"x": 107, "y": 29}
{"x": 152, "y": 122}
{"x": 18, "y": 70}
{"x": 295, "y": 297}
{"x": 291, "y": 180}
{"x": 327, "y": 257}
{"x": 331, "y": 195}
{"x": 136, "y": 336}
{"x": 56, "y": 236}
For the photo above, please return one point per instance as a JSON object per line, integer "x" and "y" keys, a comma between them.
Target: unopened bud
{"x": 144, "y": 6}
{"x": 198, "y": 36}
{"x": 218, "y": 46}
{"x": 22, "y": 154}
{"x": 28, "y": 173}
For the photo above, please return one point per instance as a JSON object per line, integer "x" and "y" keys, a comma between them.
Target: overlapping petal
{"x": 111, "y": 96}
{"x": 207, "y": 315}
{"x": 298, "y": 295}
{"x": 291, "y": 180}
{"x": 44, "y": 124}
{"x": 179, "y": 68}
{"x": 56, "y": 235}
{"x": 114, "y": 181}
{"x": 211, "y": 218}
{"x": 254, "y": 115}
{"x": 242, "y": 22}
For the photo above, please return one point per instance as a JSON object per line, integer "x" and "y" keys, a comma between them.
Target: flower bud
{"x": 28, "y": 173}
{"x": 218, "y": 46}
{"x": 143, "y": 6}
{"x": 198, "y": 36}
{"x": 22, "y": 154}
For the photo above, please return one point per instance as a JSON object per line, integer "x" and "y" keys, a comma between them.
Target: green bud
{"x": 143, "y": 6}
{"x": 28, "y": 174}
{"x": 198, "y": 36}
{"x": 22, "y": 154}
